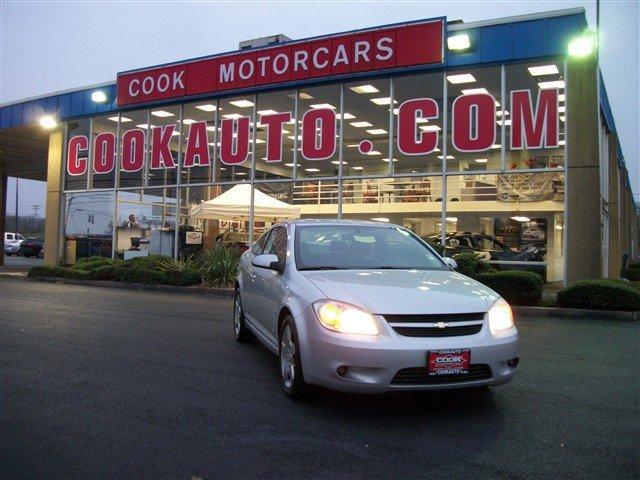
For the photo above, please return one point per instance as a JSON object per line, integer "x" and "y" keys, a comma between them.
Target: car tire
{"x": 242, "y": 333}
{"x": 291, "y": 376}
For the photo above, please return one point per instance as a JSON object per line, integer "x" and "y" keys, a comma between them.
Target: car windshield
{"x": 340, "y": 247}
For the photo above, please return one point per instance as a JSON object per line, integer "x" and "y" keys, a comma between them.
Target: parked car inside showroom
{"x": 490, "y": 248}
{"x": 369, "y": 307}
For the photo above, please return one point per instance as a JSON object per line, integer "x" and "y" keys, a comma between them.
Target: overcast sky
{"x": 49, "y": 46}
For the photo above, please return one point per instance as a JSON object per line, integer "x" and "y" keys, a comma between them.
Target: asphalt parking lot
{"x": 99, "y": 383}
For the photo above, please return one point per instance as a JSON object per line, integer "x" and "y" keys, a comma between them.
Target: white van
{"x": 11, "y": 238}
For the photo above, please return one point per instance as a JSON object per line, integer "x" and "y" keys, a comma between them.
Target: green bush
{"x": 603, "y": 294}
{"x": 632, "y": 272}
{"x": 91, "y": 263}
{"x": 515, "y": 286}
{"x": 219, "y": 266}
{"x": 472, "y": 265}
{"x": 437, "y": 247}
{"x": 104, "y": 272}
{"x": 45, "y": 271}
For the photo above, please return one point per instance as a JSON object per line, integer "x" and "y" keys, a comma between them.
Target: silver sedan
{"x": 369, "y": 307}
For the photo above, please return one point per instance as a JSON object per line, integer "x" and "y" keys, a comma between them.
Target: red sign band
{"x": 402, "y": 46}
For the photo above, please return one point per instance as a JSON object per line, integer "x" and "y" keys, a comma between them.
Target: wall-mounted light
{"x": 459, "y": 42}
{"x": 582, "y": 46}
{"x": 99, "y": 96}
{"x": 48, "y": 122}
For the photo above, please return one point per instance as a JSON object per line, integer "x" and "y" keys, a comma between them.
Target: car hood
{"x": 403, "y": 292}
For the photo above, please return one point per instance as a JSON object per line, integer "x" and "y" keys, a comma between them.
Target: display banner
{"x": 322, "y": 57}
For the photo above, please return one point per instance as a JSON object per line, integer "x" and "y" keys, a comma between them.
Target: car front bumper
{"x": 391, "y": 362}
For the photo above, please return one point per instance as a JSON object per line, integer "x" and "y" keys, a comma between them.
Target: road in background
{"x": 100, "y": 383}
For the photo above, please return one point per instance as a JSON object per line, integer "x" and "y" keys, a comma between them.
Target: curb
{"x": 607, "y": 315}
{"x": 219, "y": 292}
{"x": 576, "y": 313}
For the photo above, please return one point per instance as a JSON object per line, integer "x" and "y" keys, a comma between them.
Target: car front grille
{"x": 419, "y": 376}
{"x": 438, "y": 325}
{"x": 434, "y": 318}
{"x": 438, "y": 332}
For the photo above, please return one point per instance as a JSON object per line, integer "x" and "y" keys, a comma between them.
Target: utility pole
{"x": 15, "y": 220}
{"x": 35, "y": 215}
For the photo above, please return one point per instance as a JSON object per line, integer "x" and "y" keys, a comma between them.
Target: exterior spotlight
{"x": 48, "y": 122}
{"x": 458, "y": 42}
{"x": 99, "y": 96}
{"x": 582, "y": 46}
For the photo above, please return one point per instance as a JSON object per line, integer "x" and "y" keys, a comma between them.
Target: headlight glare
{"x": 500, "y": 317}
{"x": 345, "y": 318}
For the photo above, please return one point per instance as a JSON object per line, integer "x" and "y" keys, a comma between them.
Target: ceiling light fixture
{"x": 472, "y": 91}
{"x": 377, "y": 131}
{"x": 543, "y": 70}
{"x": 208, "y": 107}
{"x": 461, "y": 78}
{"x": 365, "y": 89}
{"x": 162, "y": 113}
{"x": 242, "y": 103}
{"x": 551, "y": 84}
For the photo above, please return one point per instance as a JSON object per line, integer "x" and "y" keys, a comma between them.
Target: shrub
{"x": 91, "y": 263}
{"x": 219, "y": 266}
{"x": 44, "y": 271}
{"x": 632, "y": 272}
{"x": 515, "y": 286}
{"x": 437, "y": 247}
{"x": 603, "y": 294}
{"x": 105, "y": 272}
{"x": 472, "y": 265}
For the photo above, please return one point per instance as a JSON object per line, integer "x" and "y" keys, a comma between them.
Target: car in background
{"x": 11, "y": 238}
{"x": 31, "y": 248}
{"x": 369, "y": 307}
{"x": 490, "y": 248}
{"x": 12, "y": 248}
{"x": 233, "y": 238}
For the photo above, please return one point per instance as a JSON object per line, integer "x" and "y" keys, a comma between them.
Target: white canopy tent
{"x": 236, "y": 203}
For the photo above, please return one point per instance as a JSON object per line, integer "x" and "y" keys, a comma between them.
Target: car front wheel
{"x": 292, "y": 378}
{"x": 240, "y": 329}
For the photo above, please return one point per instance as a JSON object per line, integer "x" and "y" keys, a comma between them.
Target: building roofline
{"x": 58, "y": 92}
{"x": 452, "y": 27}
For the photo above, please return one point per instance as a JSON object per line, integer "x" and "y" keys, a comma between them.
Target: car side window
{"x": 259, "y": 245}
{"x": 9, "y": 236}
{"x": 277, "y": 244}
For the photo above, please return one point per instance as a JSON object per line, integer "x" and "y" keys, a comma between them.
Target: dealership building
{"x": 490, "y": 135}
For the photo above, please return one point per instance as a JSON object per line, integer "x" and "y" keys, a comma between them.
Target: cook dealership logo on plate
{"x": 448, "y": 362}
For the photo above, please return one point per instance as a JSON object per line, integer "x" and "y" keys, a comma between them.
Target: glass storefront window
{"x": 275, "y": 106}
{"x": 134, "y": 142}
{"x": 410, "y": 87}
{"x": 77, "y": 161}
{"x": 164, "y": 121}
{"x": 146, "y": 223}
{"x": 88, "y": 225}
{"x": 236, "y": 114}
{"x": 103, "y": 163}
{"x": 545, "y": 83}
{"x": 511, "y": 220}
{"x": 366, "y": 127}
{"x": 315, "y": 98}
{"x": 470, "y": 82}
{"x": 198, "y": 152}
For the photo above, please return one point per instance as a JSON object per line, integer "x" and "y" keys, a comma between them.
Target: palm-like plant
{"x": 219, "y": 266}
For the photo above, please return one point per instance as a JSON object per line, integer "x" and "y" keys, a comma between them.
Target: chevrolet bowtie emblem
{"x": 441, "y": 325}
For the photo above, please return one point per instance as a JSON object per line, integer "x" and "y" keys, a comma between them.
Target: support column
{"x": 583, "y": 209}
{"x": 53, "y": 216}
{"x": 614, "y": 209}
{"x": 3, "y": 207}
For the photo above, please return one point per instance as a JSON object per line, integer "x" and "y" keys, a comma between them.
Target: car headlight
{"x": 344, "y": 318}
{"x": 500, "y": 317}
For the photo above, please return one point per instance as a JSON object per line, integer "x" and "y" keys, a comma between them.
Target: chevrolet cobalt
{"x": 369, "y": 307}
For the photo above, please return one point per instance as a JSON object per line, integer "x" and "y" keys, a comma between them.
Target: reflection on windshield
{"x": 340, "y": 247}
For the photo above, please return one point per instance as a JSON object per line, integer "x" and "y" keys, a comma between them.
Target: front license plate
{"x": 448, "y": 362}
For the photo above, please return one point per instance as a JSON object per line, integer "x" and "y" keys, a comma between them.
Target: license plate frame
{"x": 449, "y": 361}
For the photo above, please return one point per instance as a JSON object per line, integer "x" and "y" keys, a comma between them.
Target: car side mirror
{"x": 451, "y": 263}
{"x": 268, "y": 260}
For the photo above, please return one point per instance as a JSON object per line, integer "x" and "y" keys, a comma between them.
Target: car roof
{"x": 332, "y": 221}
